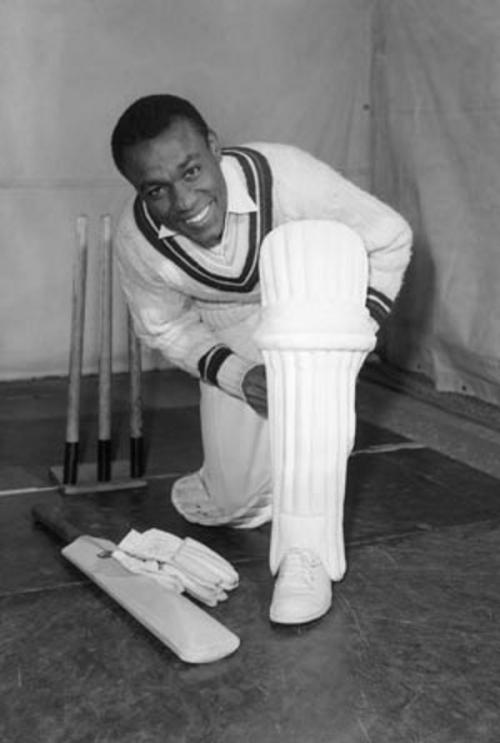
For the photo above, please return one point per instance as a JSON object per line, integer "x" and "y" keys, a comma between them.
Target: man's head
{"x": 163, "y": 146}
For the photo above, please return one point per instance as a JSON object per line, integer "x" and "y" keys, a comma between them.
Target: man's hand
{"x": 255, "y": 389}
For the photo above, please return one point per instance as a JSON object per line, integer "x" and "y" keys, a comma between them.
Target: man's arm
{"x": 306, "y": 188}
{"x": 167, "y": 320}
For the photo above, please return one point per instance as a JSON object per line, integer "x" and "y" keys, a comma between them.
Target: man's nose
{"x": 184, "y": 197}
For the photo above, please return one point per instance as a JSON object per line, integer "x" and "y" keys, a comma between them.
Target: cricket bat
{"x": 189, "y": 631}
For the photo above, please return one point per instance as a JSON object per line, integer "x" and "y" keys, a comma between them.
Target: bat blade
{"x": 189, "y": 631}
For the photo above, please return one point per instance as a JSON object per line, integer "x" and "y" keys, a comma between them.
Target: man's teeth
{"x": 199, "y": 217}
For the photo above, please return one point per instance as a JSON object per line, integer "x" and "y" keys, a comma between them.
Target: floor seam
{"x": 43, "y": 589}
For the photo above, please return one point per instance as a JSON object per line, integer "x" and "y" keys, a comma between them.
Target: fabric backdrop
{"x": 297, "y": 71}
{"x": 436, "y": 145}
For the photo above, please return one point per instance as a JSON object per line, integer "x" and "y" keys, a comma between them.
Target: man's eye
{"x": 156, "y": 193}
{"x": 191, "y": 173}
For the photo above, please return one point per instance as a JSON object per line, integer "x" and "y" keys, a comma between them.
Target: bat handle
{"x": 53, "y": 519}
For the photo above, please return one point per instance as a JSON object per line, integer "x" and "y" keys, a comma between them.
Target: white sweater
{"x": 185, "y": 318}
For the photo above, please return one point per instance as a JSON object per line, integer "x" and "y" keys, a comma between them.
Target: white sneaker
{"x": 303, "y": 589}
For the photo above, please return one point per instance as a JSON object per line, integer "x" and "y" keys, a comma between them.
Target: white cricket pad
{"x": 315, "y": 334}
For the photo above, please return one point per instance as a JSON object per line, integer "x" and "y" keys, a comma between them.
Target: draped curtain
{"x": 436, "y": 156}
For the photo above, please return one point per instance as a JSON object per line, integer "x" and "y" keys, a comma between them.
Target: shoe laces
{"x": 299, "y": 565}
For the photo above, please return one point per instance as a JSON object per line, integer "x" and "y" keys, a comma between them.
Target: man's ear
{"x": 214, "y": 145}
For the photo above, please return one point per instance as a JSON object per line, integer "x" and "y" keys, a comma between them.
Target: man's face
{"x": 179, "y": 177}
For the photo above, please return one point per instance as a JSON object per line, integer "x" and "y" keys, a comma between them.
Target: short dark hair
{"x": 148, "y": 117}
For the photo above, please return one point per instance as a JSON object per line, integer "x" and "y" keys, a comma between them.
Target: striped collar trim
{"x": 258, "y": 179}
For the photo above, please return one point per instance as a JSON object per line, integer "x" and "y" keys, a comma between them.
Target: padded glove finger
{"x": 210, "y": 554}
{"x": 206, "y": 564}
{"x": 201, "y": 570}
{"x": 207, "y": 595}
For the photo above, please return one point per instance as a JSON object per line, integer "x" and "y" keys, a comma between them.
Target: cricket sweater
{"x": 199, "y": 306}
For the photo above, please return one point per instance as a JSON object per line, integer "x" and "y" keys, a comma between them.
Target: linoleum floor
{"x": 409, "y": 651}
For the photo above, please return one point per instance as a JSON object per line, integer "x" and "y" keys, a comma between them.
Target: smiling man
{"x": 178, "y": 176}
{"x": 188, "y": 247}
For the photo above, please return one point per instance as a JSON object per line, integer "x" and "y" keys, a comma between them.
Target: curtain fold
{"x": 435, "y": 157}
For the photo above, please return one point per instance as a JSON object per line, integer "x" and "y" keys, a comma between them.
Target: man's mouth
{"x": 200, "y": 217}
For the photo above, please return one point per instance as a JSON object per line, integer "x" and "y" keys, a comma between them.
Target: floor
{"x": 408, "y": 654}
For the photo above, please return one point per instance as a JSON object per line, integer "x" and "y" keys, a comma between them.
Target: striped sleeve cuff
{"x": 210, "y": 363}
{"x": 232, "y": 373}
{"x": 379, "y": 305}
{"x": 222, "y": 367}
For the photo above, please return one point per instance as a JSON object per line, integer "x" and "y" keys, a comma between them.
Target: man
{"x": 188, "y": 248}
